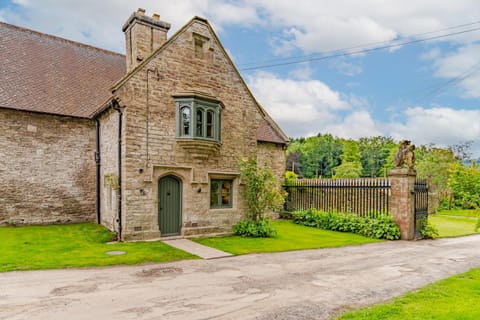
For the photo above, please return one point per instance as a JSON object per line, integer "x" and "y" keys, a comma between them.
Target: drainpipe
{"x": 97, "y": 162}
{"x": 114, "y": 104}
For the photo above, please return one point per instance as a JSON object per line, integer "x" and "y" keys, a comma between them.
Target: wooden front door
{"x": 169, "y": 206}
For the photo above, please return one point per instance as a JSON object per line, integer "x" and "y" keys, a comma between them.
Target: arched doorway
{"x": 169, "y": 206}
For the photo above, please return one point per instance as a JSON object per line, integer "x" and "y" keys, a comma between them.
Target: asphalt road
{"x": 313, "y": 284}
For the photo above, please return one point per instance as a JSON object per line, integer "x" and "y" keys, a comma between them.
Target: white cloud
{"x": 346, "y": 68}
{"x": 310, "y": 25}
{"x": 304, "y": 72}
{"x": 442, "y": 126}
{"x": 321, "y": 26}
{"x": 432, "y": 54}
{"x": 463, "y": 67}
{"x": 355, "y": 125}
{"x": 307, "y": 107}
{"x": 99, "y": 22}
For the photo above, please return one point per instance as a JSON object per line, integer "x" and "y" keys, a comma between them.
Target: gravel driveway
{"x": 313, "y": 284}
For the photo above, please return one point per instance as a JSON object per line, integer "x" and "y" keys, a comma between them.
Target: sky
{"x": 353, "y": 68}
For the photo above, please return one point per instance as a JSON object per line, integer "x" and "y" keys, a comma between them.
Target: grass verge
{"x": 74, "y": 245}
{"x": 453, "y": 298}
{"x": 460, "y": 212}
{"x": 290, "y": 237}
{"x": 453, "y": 226}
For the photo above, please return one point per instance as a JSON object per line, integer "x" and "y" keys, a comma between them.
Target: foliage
{"x": 444, "y": 204}
{"x": 374, "y": 153}
{"x": 382, "y": 227}
{"x": 290, "y": 237}
{"x": 434, "y": 164}
{"x": 351, "y": 151}
{"x": 452, "y": 298}
{"x": 318, "y": 155}
{"x": 290, "y": 177}
{"x": 255, "y": 229}
{"x": 262, "y": 189}
{"x": 465, "y": 185}
{"x": 348, "y": 170}
{"x": 262, "y": 193}
{"x": 428, "y": 231}
{"x": 74, "y": 245}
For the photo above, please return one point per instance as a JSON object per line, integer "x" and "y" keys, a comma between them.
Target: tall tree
{"x": 320, "y": 155}
{"x": 462, "y": 150}
{"x": 351, "y": 167}
{"x": 374, "y": 153}
{"x": 465, "y": 184}
{"x": 435, "y": 163}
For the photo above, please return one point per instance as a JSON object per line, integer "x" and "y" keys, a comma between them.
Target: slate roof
{"x": 48, "y": 74}
{"x": 44, "y": 73}
{"x": 266, "y": 133}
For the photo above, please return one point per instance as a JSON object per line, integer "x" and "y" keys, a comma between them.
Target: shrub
{"x": 428, "y": 231}
{"x": 382, "y": 227}
{"x": 465, "y": 184}
{"x": 255, "y": 229}
{"x": 262, "y": 193}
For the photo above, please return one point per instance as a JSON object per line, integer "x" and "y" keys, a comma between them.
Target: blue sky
{"x": 427, "y": 92}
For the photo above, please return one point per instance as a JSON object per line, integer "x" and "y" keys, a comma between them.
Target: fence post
{"x": 402, "y": 200}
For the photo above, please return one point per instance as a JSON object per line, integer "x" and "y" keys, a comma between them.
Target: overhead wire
{"x": 358, "y": 46}
{"x": 453, "y": 82}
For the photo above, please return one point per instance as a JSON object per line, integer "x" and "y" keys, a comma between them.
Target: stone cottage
{"x": 147, "y": 144}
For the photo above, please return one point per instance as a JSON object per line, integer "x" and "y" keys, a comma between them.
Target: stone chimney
{"x": 143, "y": 35}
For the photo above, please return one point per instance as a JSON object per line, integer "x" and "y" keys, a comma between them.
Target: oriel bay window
{"x": 198, "y": 118}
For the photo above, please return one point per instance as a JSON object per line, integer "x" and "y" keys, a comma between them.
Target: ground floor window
{"x": 221, "y": 193}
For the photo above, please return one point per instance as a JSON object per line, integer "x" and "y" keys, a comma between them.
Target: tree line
{"x": 326, "y": 156}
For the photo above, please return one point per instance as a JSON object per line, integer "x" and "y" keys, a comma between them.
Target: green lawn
{"x": 74, "y": 245}
{"x": 290, "y": 237}
{"x": 453, "y": 226}
{"x": 460, "y": 212}
{"x": 453, "y": 298}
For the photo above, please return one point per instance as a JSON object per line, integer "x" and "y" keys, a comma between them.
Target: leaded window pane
{"x": 199, "y": 123}
{"x": 185, "y": 121}
{"x": 209, "y": 124}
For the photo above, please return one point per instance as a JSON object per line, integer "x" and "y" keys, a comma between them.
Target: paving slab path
{"x": 312, "y": 284}
{"x": 197, "y": 249}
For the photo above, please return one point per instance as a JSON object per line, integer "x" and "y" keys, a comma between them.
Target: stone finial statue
{"x": 405, "y": 154}
{"x": 410, "y": 156}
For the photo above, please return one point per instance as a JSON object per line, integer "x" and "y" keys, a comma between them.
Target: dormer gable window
{"x": 198, "y": 118}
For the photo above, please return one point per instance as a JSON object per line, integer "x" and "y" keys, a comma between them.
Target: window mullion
{"x": 219, "y": 185}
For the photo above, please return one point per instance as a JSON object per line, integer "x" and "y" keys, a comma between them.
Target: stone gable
{"x": 151, "y": 146}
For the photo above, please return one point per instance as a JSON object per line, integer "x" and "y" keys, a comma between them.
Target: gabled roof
{"x": 44, "y": 73}
{"x": 268, "y": 131}
{"x": 48, "y": 74}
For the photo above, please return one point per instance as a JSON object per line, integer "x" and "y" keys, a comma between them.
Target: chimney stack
{"x": 143, "y": 35}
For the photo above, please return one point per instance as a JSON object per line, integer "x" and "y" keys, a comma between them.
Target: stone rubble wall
{"x": 47, "y": 168}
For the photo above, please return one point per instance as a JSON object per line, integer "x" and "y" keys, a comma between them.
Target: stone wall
{"x": 109, "y": 168}
{"x": 152, "y": 151}
{"x": 273, "y": 156}
{"x": 47, "y": 168}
